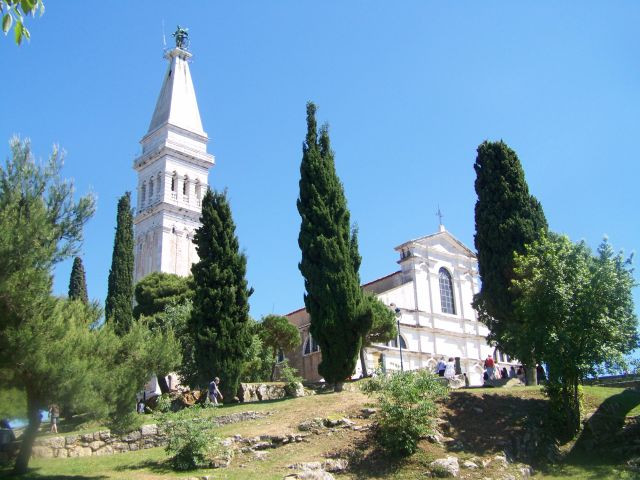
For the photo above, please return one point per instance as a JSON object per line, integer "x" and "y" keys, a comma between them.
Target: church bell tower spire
{"x": 173, "y": 172}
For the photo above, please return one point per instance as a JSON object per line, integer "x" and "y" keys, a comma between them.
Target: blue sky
{"x": 409, "y": 90}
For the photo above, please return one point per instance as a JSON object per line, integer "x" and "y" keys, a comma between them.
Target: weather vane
{"x": 182, "y": 37}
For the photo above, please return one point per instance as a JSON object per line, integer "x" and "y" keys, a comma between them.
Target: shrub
{"x": 290, "y": 377}
{"x": 192, "y": 442}
{"x": 164, "y": 403}
{"x": 407, "y": 402}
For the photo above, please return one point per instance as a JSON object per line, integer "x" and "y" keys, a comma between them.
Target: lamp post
{"x": 398, "y": 315}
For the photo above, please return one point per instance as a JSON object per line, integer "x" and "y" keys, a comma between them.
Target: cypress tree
{"x": 507, "y": 218}
{"x": 330, "y": 259}
{"x": 119, "y": 303}
{"x": 219, "y": 323}
{"x": 78, "y": 282}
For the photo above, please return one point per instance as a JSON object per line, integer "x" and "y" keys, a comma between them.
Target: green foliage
{"x": 277, "y": 334}
{"x": 383, "y": 321}
{"x": 164, "y": 403}
{"x": 587, "y": 304}
{"x": 119, "y": 301}
{"x": 43, "y": 340}
{"x": 290, "y": 377}
{"x": 155, "y": 292}
{"x": 132, "y": 358}
{"x": 13, "y": 403}
{"x": 219, "y": 324}
{"x": 192, "y": 442}
{"x": 507, "y": 218}
{"x": 408, "y": 409}
{"x": 78, "y": 282}
{"x": 330, "y": 258}
{"x": 13, "y": 13}
{"x": 257, "y": 366}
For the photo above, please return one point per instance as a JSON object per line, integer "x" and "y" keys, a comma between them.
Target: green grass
{"x": 368, "y": 462}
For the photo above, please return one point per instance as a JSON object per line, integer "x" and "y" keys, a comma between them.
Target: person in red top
{"x": 490, "y": 366}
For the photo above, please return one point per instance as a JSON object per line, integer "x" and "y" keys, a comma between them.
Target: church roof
{"x": 177, "y": 103}
{"x": 444, "y": 233}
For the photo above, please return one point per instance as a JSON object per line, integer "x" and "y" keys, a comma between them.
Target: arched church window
{"x": 143, "y": 193}
{"x": 150, "y": 188}
{"x": 185, "y": 186}
{"x": 159, "y": 183}
{"x": 174, "y": 181}
{"x": 310, "y": 346}
{"x": 446, "y": 292}
{"x": 198, "y": 190}
{"x": 394, "y": 343}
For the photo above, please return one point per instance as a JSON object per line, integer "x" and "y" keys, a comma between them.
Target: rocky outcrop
{"x": 258, "y": 392}
{"x": 445, "y": 467}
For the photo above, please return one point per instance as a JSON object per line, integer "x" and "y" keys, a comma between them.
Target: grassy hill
{"x": 477, "y": 425}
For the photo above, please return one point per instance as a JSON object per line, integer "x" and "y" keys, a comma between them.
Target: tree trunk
{"x": 531, "y": 375}
{"x": 363, "y": 363}
{"x": 338, "y": 387}
{"x": 273, "y": 371}
{"x": 162, "y": 383}
{"x": 29, "y": 435}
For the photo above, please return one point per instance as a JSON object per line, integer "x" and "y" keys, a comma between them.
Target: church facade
{"x": 431, "y": 295}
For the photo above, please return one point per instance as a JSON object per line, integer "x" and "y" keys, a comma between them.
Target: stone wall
{"x": 97, "y": 443}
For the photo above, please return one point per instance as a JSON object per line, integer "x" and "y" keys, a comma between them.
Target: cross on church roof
{"x": 439, "y": 215}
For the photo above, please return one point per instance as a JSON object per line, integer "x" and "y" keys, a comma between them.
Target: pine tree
{"x": 330, "y": 259}
{"x": 507, "y": 219}
{"x": 219, "y": 323}
{"x": 78, "y": 282}
{"x": 119, "y": 304}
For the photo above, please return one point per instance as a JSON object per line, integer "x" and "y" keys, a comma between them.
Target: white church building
{"x": 432, "y": 295}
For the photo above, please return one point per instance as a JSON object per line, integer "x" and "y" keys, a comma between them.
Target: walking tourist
{"x": 441, "y": 367}
{"x": 214, "y": 391}
{"x": 450, "y": 369}
{"x": 489, "y": 365}
{"x": 54, "y": 414}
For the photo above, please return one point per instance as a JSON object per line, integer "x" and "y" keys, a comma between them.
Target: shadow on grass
{"x": 153, "y": 465}
{"x": 33, "y": 474}
{"x": 608, "y": 433}
{"x": 367, "y": 460}
{"x": 488, "y": 424}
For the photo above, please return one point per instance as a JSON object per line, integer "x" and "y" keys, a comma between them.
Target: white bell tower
{"x": 173, "y": 172}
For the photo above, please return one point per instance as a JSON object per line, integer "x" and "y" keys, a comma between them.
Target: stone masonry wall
{"x": 97, "y": 443}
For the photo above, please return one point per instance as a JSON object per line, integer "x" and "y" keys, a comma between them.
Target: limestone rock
{"x": 87, "y": 437}
{"x": 335, "y": 465}
{"x": 132, "y": 437}
{"x": 70, "y": 440}
{"x": 53, "y": 442}
{"x": 468, "y": 464}
{"x": 79, "y": 451}
{"x": 148, "y": 430}
{"x": 61, "y": 453}
{"x": 308, "y": 425}
{"x": 95, "y": 445}
{"x": 42, "y": 452}
{"x": 500, "y": 460}
{"x": 108, "y": 450}
{"x": 445, "y": 467}
{"x": 367, "y": 412}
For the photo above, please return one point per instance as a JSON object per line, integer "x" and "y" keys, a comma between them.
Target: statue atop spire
{"x": 182, "y": 37}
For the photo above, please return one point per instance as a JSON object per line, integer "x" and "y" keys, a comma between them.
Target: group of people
{"x": 446, "y": 369}
{"x": 213, "y": 394}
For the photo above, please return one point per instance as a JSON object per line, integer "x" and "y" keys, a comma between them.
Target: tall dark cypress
{"x": 78, "y": 282}
{"x": 219, "y": 323}
{"x": 330, "y": 259}
{"x": 119, "y": 303}
{"x": 507, "y": 218}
